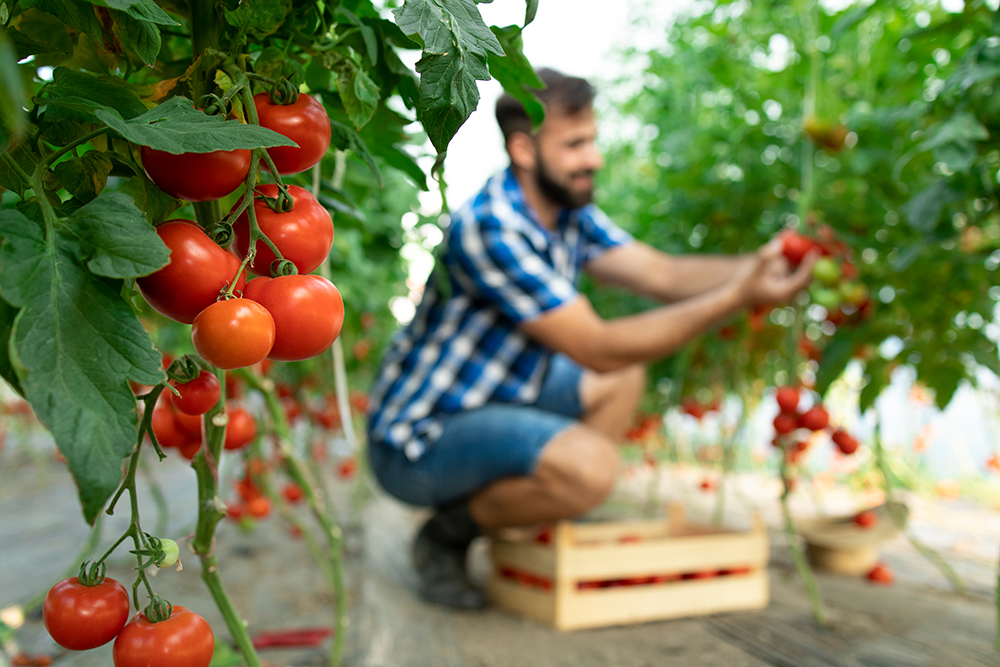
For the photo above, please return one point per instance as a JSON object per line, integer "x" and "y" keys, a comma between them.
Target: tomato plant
{"x": 184, "y": 639}
{"x": 81, "y": 617}
{"x": 199, "y": 270}
{"x": 308, "y": 313}
{"x": 303, "y": 234}
{"x": 196, "y": 177}
{"x": 305, "y": 122}
{"x": 233, "y": 333}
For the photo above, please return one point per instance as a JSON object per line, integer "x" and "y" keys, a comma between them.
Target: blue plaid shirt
{"x": 460, "y": 352}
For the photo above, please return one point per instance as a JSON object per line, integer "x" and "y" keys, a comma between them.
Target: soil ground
{"x": 917, "y": 622}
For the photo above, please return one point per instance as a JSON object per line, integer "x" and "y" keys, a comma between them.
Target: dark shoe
{"x": 439, "y": 554}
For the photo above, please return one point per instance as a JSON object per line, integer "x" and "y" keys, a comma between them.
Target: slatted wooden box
{"x": 589, "y": 575}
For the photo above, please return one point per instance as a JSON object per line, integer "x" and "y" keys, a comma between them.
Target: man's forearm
{"x": 680, "y": 277}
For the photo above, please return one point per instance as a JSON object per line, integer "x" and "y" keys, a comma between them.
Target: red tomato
{"x": 307, "y": 310}
{"x": 183, "y": 640}
{"x": 233, "y": 333}
{"x": 788, "y": 399}
{"x": 190, "y": 448}
{"x": 259, "y": 507}
{"x": 347, "y": 468}
{"x": 881, "y": 574}
{"x": 815, "y": 419}
{"x": 242, "y": 428}
{"x": 188, "y": 425}
{"x": 866, "y": 519}
{"x": 303, "y": 235}
{"x": 305, "y": 122}
{"x": 80, "y": 617}
{"x": 198, "y": 271}
{"x": 795, "y": 247}
{"x": 199, "y": 395}
{"x": 292, "y": 492}
{"x": 845, "y": 443}
{"x": 693, "y": 407}
{"x": 165, "y": 428}
{"x": 196, "y": 176}
{"x": 785, "y": 423}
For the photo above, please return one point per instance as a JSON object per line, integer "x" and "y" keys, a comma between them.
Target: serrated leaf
{"x": 117, "y": 239}
{"x": 836, "y": 355}
{"x": 155, "y": 205}
{"x": 177, "y": 127}
{"x": 76, "y": 343}
{"x": 456, "y": 45}
{"x": 84, "y": 177}
{"x": 140, "y": 10}
{"x": 345, "y": 138}
{"x": 87, "y": 93}
{"x": 257, "y": 17}
{"x": 140, "y": 37}
{"x": 79, "y": 15}
{"x": 944, "y": 378}
{"x": 924, "y": 210}
{"x": 358, "y": 93}
{"x": 516, "y": 74}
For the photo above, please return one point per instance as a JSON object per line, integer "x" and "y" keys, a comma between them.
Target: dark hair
{"x": 562, "y": 94}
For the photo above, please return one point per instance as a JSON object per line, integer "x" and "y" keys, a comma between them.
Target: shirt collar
{"x": 512, "y": 188}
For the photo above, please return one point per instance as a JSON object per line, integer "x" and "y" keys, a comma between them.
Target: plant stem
{"x": 49, "y": 159}
{"x": 798, "y": 554}
{"x": 210, "y": 512}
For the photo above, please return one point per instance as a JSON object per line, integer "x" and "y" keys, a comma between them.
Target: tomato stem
{"x": 795, "y": 544}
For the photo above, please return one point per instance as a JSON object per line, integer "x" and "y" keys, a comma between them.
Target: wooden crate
{"x": 616, "y": 573}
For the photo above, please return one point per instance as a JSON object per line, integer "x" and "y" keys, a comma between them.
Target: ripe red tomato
{"x": 881, "y": 574}
{"x": 165, "y": 428}
{"x": 259, "y": 507}
{"x": 815, "y": 419}
{"x": 845, "y": 443}
{"x": 183, "y": 640}
{"x": 196, "y": 176}
{"x": 198, "y": 271}
{"x": 189, "y": 448}
{"x": 303, "y": 235}
{"x": 866, "y": 519}
{"x": 292, "y": 492}
{"x": 795, "y": 247}
{"x": 785, "y": 423}
{"x": 199, "y": 395}
{"x": 80, "y": 617}
{"x": 788, "y": 399}
{"x": 693, "y": 407}
{"x": 305, "y": 122}
{"x": 233, "y": 333}
{"x": 188, "y": 426}
{"x": 348, "y": 467}
{"x": 242, "y": 428}
{"x": 307, "y": 310}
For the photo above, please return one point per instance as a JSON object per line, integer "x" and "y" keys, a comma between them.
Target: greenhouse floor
{"x": 918, "y": 621}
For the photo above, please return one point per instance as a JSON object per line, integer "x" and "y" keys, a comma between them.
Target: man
{"x": 503, "y": 401}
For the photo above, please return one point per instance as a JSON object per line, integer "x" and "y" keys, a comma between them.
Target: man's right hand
{"x": 768, "y": 278}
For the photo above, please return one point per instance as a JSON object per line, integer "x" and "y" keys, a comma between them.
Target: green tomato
{"x": 828, "y": 298}
{"x": 170, "y": 553}
{"x": 854, "y": 293}
{"x": 826, "y": 270}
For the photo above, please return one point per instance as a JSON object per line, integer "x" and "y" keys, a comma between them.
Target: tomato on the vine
{"x": 165, "y": 428}
{"x": 183, "y": 640}
{"x": 303, "y": 235}
{"x": 788, "y": 398}
{"x": 233, "y": 333}
{"x": 198, "y": 271}
{"x": 199, "y": 395}
{"x": 241, "y": 429}
{"x": 308, "y": 313}
{"x": 196, "y": 176}
{"x": 815, "y": 418}
{"x": 305, "y": 122}
{"x": 80, "y": 617}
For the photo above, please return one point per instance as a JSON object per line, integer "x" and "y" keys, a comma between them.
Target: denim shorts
{"x": 480, "y": 446}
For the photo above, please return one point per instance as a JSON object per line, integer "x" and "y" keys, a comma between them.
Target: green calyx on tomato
{"x": 197, "y": 396}
{"x": 181, "y": 639}
{"x": 304, "y": 121}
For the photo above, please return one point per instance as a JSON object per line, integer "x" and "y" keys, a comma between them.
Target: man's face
{"x": 566, "y": 158}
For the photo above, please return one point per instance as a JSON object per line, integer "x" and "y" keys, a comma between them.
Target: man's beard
{"x": 560, "y": 194}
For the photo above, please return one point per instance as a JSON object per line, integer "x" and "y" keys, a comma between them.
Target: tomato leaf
{"x": 155, "y": 204}
{"x": 84, "y": 177}
{"x": 345, "y": 138}
{"x": 985, "y": 356}
{"x": 80, "y": 15}
{"x": 924, "y": 210}
{"x": 177, "y": 127}
{"x": 258, "y": 17}
{"x": 140, "y": 10}
{"x": 943, "y": 377}
{"x": 140, "y": 37}
{"x": 13, "y": 99}
{"x": 877, "y": 381}
{"x": 456, "y": 45}
{"x": 836, "y": 355}
{"x": 7, "y": 315}
{"x": 530, "y": 11}
{"x": 75, "y": 343}
{"x": 86, "y": 93}
{"x": 516, "y": 74}
{"x": 119, "y": 241}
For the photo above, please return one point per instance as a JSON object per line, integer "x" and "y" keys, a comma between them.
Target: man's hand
{"x": 767, "y": 277}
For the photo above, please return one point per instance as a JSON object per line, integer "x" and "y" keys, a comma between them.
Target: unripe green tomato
{"x": 170, "y": 553}
{"x": 826, "y": 297}
{"x": 854, "y": 293}
{"x": 826, "y": 270}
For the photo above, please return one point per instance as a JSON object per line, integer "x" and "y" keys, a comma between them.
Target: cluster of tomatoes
{"x": 789, "y": 420}
{"x": 82, "y": 614}
{"x": 238, "y": 322}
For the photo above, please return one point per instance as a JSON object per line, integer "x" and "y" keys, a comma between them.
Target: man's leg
{"x": 576, "y": 469}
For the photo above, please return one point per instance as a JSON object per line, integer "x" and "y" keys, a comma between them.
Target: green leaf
{"x": 13, "y": 99}
{"x": 530, "y": 11}
{"x": 140, "y": 10}
{"x": 836, "y": 355}
{"x": 908, "y": 256}
{"x": 961, "y": 126}
{"x": 456, "y": 45}
{"x": 943, "y": 377}
{"x": 359, "y": 94}
{"x": 177, "y": 127}
{"x": 516, "y": 74}
{"x": 87, "y": 93}
{"x": 26, "y": 159}
{"x": 118, "y": 240}
{"x": 154, "y": 203}
{"x": 84, "y": 177}
{"x": 7, "y": 315}
{"x": 924, "y": 210}
{"x": 79, "y": 15}
{"x": 258, "y": 17}
{"x": 987, "y": 357}
{"x": 345, "y": 138}
{"x": 140, "y": 37}
{"x": 76, "y": 344}
{"x": 876, "y": 383}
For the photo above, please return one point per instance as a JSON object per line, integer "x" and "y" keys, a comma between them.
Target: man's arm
{"x": 667, "y": 278}
{"x": 577, "y": 331}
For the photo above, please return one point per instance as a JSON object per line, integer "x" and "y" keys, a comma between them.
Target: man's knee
{"x": 599, "y": 388}
{"x": 580, "y": 467}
